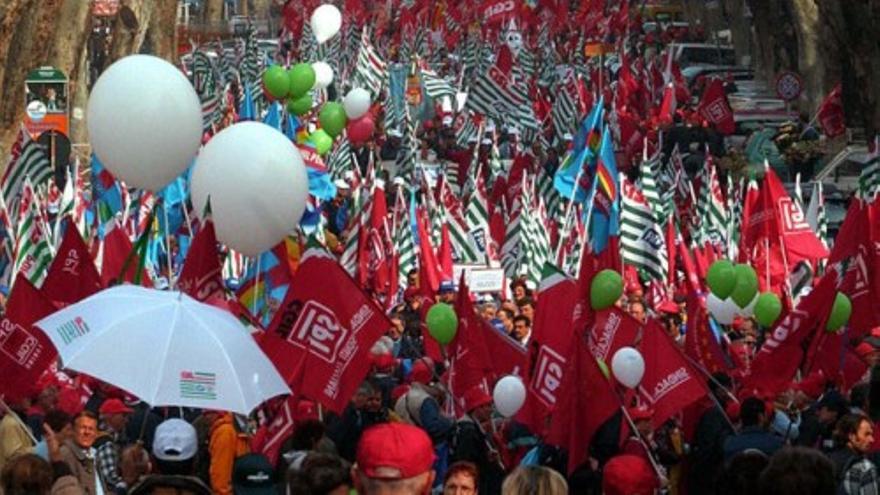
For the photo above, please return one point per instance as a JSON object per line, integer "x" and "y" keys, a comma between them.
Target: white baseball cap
{"x": 175, "y": 440}
{"x": 341, "y": 184}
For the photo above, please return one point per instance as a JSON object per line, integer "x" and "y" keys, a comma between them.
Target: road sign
{"x": 789, "y": 85}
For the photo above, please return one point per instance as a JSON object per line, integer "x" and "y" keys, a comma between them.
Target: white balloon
{"x": 144, "y": 121}
{"x": 356, "y": 103}
{"x": 628, "y": 366}
{"x": 257, "y": 184}
{"x": 724, "y": 311}
{"x": 326, "y": 21}
{"x": 509, "y": 395}
{"x": 323, "y": 74}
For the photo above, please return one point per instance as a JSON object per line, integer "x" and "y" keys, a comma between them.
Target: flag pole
{"x": 632, "y": 427}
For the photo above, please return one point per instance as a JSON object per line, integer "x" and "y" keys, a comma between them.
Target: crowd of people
{"x": 403, "y": 432}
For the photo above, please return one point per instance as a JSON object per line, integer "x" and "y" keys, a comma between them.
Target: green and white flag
{"x": 711, "y": 210}
{"x": 33, "y": 252}
{"x": 869, "y": 179}
{"x": 29, "y": 163}
{"x": 477, "y": 219}
{"x": 642, "y": 243}
{"x": 404, "y": 244}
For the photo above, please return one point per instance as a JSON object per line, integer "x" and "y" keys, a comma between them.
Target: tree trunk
{"x": 852, "y": 25}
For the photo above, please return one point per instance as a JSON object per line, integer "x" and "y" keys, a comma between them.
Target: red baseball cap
{"x": 640, "y": 413}
{"x": 628, "y": 475}
{"x": 394, "y": 451}
{"x": 114, "y": 406}
{"x": 668, "y": 307}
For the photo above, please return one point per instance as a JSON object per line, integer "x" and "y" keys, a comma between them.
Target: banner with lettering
{"x": 670, "y": 384}
{"x": 324, "y": 331}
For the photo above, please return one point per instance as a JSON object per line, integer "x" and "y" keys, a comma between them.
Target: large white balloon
{"x": 509, "y": 395}
{"x": 323, "y": 74}
{"x": 257, "y": 184}
{"x": 326, "y": 21}
{"x": 724, "y": 311}
{"x": 628, "y": 367}
{"x": 356, "y": 103}
{"x": 145, "y": 121}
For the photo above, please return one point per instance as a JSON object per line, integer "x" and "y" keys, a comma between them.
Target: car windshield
{"x": 691, "y": 55}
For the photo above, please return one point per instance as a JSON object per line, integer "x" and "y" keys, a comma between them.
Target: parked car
{"x": 688, "y": 54}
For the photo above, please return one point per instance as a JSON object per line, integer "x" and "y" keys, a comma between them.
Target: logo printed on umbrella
{"x": 198, "y": 385}
{"x": 73, "y": 329}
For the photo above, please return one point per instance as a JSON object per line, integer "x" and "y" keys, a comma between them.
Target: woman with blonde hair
{"x": 534, "y": 480}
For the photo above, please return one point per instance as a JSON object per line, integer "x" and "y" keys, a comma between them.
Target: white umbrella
{"x": 166, "y": 348}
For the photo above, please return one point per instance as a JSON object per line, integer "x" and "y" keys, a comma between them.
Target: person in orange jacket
{"x": 225, "y": 445}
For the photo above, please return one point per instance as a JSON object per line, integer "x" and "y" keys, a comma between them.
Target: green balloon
{"x": 767, "y": 309}
{"x": 605, "y": 289}
{"x": 332, "y": 118}
{"x": 300, "y": 106}
{"x": 721, "y": 278}
{"x": 322, "y": 141}
{"x": 276, "y": 82}
{"x": 603, "y": 367}
{"x": 442, "y": 323}
{"x": 839, "y": 313}
{"x": 302, "y": 78}
{"x": 746, "y": 285}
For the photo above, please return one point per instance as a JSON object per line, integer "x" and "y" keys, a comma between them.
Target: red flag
{"x": 327, "y": 329}
{"x": 72, "y": 275}
{"x": 699, "y": 342}
{"x": 670, "y": 383}
{"x": 558, "y": 302}
{"x": 445, "y": 254}
{"x": 376, "y": 244}
{"x": 586, "y": 399}
{"x": 201, "y": 276}
{"x": 470, "y": 361}
{"x": 612, "y": 330}
{"x": 835, "y": 360}
{"x": 830, "y": 115}
{"x": 116, "y": 250}
{"x": 668, "y": 105}
{"x": 25, "y": 351}
{"x": 715, "y": 108}
{"x": 428, "y": 265}
{"x": 857, "y": 241}
{"x": 782, "y": 352}
{"x": 775, "y": 222}
{"x": 270, "y": 436}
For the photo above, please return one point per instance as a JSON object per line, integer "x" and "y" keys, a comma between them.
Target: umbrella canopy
{"x": 166, "y": 348}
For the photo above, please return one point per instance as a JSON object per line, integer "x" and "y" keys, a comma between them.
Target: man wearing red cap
{"x": 394, "y": 458}
{"x": 472, "y": 441}
{"x": 110, "y": 442}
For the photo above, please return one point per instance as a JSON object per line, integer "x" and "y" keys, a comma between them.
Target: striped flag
{"x": 29, "y": 162}
{"x": 869, "y": 179}
{"x": 205, "y": 84}
{"x": 565, "y": 108}
{"x": 452, "y": 216}
{"x": 648, "y": 171}
{"x": 436, "y": 86}
{"x": 642, "y": 241}
{"x": 711, "y": 210}
{"x": 511, "y": 250}
{"x": 370, "y": 69}
{"x": 536, "y": 244}
{"x": 816, "y": 215}
{"x": 33, "y": 252}
{"x": 477, "y": 219}
{"x": 339, "y": 160}
{"x": 404, "y": 244}
{"x": 407, "y": 156}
